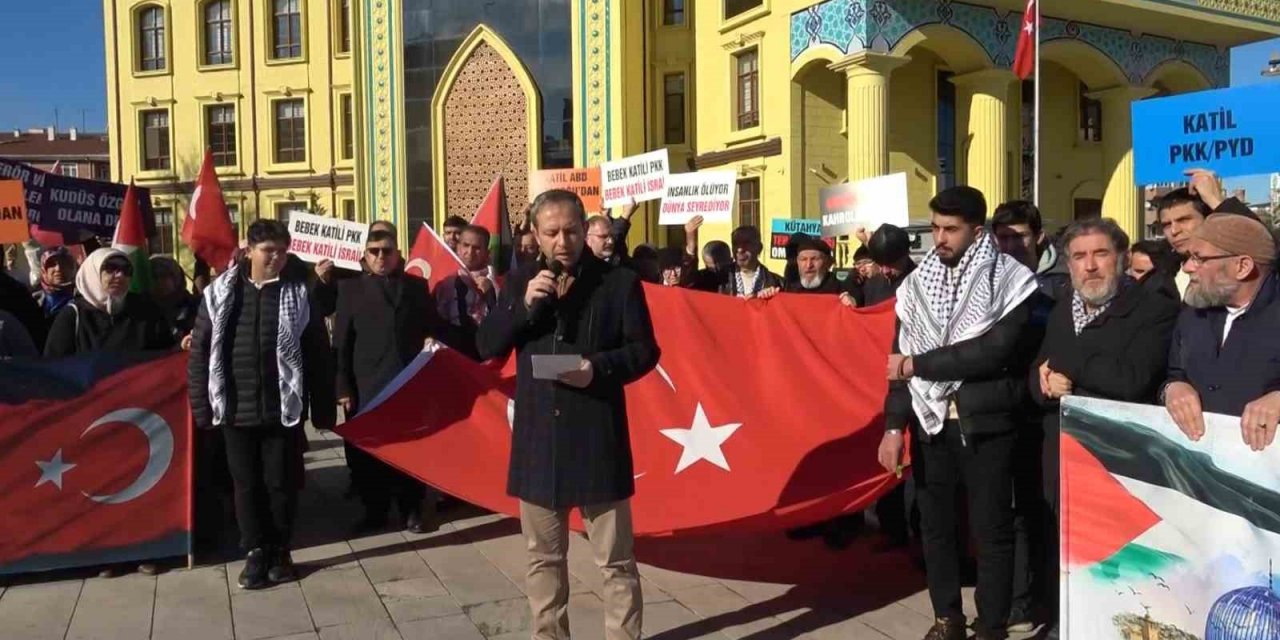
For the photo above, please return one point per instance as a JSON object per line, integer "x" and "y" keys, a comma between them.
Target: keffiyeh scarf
{"x": 1081, "y": 316}
{"x": 294, "y": 314}
{"x": 940, "y": 306}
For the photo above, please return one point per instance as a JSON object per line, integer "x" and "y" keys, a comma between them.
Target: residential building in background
{"x": 267, "y": 85}
{"x": 74, "y": 153}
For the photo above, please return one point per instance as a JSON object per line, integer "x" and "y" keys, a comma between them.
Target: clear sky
{"x": 54, "y": 57}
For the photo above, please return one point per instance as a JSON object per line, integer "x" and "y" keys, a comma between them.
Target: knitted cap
{"x": 1239, "y": 235}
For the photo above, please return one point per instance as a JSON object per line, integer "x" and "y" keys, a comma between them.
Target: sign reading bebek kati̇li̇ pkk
{"x": 702, "y": 193}
{"x": 637, "y": 178}
{"x": 1234, "y": 132}
{"x": 584, "y": 182}
{"x": 74, "y": 207}
{"x": 316, "y": 238}
{"x": 866, "y": 203}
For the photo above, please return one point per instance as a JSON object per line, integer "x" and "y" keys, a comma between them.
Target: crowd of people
{"x": 996, "y": 325}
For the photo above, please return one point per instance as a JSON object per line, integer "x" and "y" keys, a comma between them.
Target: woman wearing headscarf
{"x": 57, "y": 273}
{"x": 105, "y": 316}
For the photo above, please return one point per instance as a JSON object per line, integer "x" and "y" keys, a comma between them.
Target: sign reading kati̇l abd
{"x": 1234, "y": 132}
{"x": 316, "y": 238}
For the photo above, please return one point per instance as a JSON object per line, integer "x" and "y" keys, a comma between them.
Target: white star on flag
{"x": 701, "y": 441}
{"x": 1029, "y": 27}
{"x": 52, "y": 470}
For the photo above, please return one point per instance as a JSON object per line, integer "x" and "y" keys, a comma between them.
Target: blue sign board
{"x": 793, "y": 226}
{"x": 1234, "y": 132}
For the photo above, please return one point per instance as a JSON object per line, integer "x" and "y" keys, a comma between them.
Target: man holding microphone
{"x": 581, "y": 331}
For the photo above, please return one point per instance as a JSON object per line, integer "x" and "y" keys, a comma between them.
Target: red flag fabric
{"x": 1024, "y": 59}
{"x": 431, "y": 259}
{"x": 95, "y": 461}
{"x": 207, "y": 228}
{"x": 761, "y": 415}
{"x": 493, "y": 215}
{"x": 131, "y": 238}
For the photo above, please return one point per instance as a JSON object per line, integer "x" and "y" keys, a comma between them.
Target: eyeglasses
{"x": 1200, "y": 260}
{"x": 122, "y": 268}
{"x": 380, "y": 251}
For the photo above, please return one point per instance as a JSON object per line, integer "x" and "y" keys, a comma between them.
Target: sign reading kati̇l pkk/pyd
{"x": 703, "y": 193}
{"x": 13, "y": 213}
{"x": 640, "y": 178}
{"x": 783, "y": 229}
{"x": 316, "y": 238}
{"x": 1234, "y": 132}
{"x": 584, "y": 182}
{"x": 866, "y": 203}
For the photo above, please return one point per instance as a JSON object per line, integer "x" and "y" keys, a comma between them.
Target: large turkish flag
{"x": 94, "y": 461}
{"x": 760, "y": 416}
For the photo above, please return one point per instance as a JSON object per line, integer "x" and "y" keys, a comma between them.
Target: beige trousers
{"x": 546, "y": 533}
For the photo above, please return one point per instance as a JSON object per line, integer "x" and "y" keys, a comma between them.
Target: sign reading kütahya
{"x": 316, "y": 238}
{"x": 866, "y": 203}
{"x": 640, "y": 178}
{"x": 703, "y": 193}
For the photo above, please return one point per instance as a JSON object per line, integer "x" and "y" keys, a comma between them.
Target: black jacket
{"x": 1229, "y": 375}
{"x": 249, "y": 356}
{"x": 879, "y": 288}
{"x": 15, "y": 297}
{"x": 993, "y": 368}
{"x": 81, "y": 328}
{"x": 830, "y": 285}
{"x": 381, "y": 326}
{"x": 1121, "y": 355}
{"x": 571, "y": 447}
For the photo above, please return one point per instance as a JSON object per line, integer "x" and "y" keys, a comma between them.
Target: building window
{"x": 673, "y": 12}
{"x": 101, "y": 171}
{"x": 734, "y": 8}
{"x": 291, "y": 131}
{"x": 155, "y": 140}
{"x": 344, "y": 26}
{"x": 162, "y": 243}
{"x": 1090, "y": 117}
{"x": 151, "y": 39}
{"x": 946, "y": 92}
{"x": 349, "y": 210}
{"x": 222, "y": 134}
{"x": 70, "y": 169}
{"x": 285, "y": 210}
{"x": 673, "y": 108}
{"x": 286, "y": 40}
{"x": 748, "y": 93}
{"x": 217, "y": 32}
{"x": 749, "y": 202}
{"x": 348, "y": 128}
{"x": 233, "y": 212}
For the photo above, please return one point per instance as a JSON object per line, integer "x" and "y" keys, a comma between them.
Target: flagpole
{"x": 1036, "y": 128}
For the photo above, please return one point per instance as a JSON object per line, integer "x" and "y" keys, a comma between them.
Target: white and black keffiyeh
{"x": 294, "y": 314}
{"x": 1081, "y": 316}
{"x": 940, "y": 306}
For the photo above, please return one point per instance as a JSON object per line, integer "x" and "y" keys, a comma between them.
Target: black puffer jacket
{"x": 83, "y": 328}
{"x": 249, "y": 352}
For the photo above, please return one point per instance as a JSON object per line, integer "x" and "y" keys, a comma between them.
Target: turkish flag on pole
{"x": 94, "y": 464}
{"x": 207, "y": 228}
{"x": 493, "y": 216}
{"x": 1024, "y": 60}
{"x": 431, "y": 259}
{"x": 723, "y": 437}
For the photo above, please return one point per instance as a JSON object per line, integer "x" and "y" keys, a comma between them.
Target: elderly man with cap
{"x": 813, "y": 269}
{"x": 1225, "y": 356}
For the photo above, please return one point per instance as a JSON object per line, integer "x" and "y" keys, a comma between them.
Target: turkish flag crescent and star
{"x": 431, "y": 259}
{"x": 761, "y": 415}
{"x": 94, "y": 461}
{"x": 1024, "y": 60}
{"x": 207, "y": 228}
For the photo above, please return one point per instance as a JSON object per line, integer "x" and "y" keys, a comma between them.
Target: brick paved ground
{"x": 465, "y": 582}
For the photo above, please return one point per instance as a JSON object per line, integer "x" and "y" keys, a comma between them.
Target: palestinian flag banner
{"x": 1165, "y": 538}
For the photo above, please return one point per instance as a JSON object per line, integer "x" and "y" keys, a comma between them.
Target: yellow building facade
{"x": 793, "y": 95}
{"x": 267, "y": 85}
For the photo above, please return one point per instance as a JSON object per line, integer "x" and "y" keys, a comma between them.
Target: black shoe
{"x": 420, "y": 525}
{"x": 945, "y": 629}
{"x": 1021, "y": 622}
{"x": 282, "y": 567}
{"x": 149, "y": 569}
{"x": 254, "y": 575}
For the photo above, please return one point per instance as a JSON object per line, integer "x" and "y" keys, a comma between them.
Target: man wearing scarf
{"x": 957, "y": 379}
{"x": 747, "y": 277}
{"x": 465, "y": 298}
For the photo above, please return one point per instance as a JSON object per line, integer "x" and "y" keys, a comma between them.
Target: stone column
{"x": 1122, "y": 200}
{"x": 986, "y": 147}
{"x": 867, "y": 110}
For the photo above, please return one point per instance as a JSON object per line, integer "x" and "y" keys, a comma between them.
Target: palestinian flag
{"x": 494, "y": 216}
{"x": 1163, "y": 537}
{"x": 131, "y": 238}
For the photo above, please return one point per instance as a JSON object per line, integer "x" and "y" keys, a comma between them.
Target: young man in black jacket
{"x": 570, "y": 446}
{"x": 957, "y": 380}
{"x": 259, "y": 357}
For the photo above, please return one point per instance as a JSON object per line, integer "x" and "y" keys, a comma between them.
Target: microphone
{"x": 541, "y": 306}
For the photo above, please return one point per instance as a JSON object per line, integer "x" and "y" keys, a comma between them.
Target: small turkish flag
{"x": 94, "y": 461}
{"x": 207, "y": 228}
{"x": 431, "y": 259}
{"x": 1024, "y": 60}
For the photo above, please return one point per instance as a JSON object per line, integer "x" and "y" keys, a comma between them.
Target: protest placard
{"x": 640, "y": 178}
{"x": 584, "y": 182}
{"x": 316, "y": 238}
{"x": 1231, "y": 131}
{"x": 782, "y": 231}
{"x": 703, "y": 193}
{"x": 866, "y": 203}
{"x": 75, "y": 207}
{"x": 13, "y": 213}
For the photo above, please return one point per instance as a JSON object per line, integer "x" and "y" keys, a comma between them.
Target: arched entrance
{"x": 819, "y": 148}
